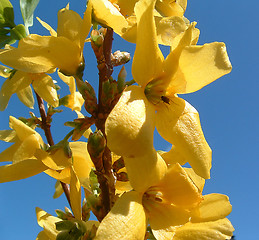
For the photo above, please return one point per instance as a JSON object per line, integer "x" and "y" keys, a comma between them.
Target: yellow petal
{"x": 171, "y": 8}
{"x": 220, "y": 230}
{"x": 27, "y": 148}
{"x": 7, "y": 154}
{"x": 20, "y": 170}
{"x": 126, "y": 6}
{"x": 63, "y": 175}
{"x": 21, "y": 129}
{"x": 197, "y": 180}
{"x": 164, "y": 218}
{"x": 57, "y": 160}
{"x": 171, "y": 63}
{"x": 82, "y": 162}
{"x": 213, "y": 207}
{"x": 44, "y": 86}
{"x": 177, "y": 188}
{"x": 168, "y": 28}
{"x": 178, "y": 123}
{"x": 148, "y": 59}
{"x": 26, "y": 97}
{"x": 69, "y": 25}
{"x": 58, "y": 190}
{"x": 38, "y": 54}
{"x": 8, "y": 136}
{"x": 48, "y": 27}
{"x": 126, "y": 220}
{"x": 17, "y": 82}
{"x": 86, "y": 24}
{"x": 130, "y": 125}
{"x": 75, "y": 195}
{"x": 43, "y": 236}
{"x": 107, "y": 14}
{"x": 201, "y": 65}
{"x": 145, "y": 171}
{"x": 173, "y": 156}
{"x": 48, "y": 222}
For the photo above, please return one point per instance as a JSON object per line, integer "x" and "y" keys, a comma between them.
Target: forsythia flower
{"x": 48, "y": 223}
{"x": 120, "y": 16}
{"x": 19, "y": 83}
{"x": 74, "y": 100}
{"x": 187, "y": 68}
{"x": 28, "y": 158}
{"x": 21, "y": 153}
{"x": 63, "y": 50}
{"x": 174, "y": 208}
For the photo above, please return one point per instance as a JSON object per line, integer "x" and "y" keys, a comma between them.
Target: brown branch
{"x": 45, "y": 125}
{"x": 104, "y": 174}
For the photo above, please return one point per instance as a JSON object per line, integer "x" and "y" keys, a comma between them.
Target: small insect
{"x": 165, "y": 99}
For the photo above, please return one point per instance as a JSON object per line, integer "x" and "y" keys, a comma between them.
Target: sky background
{"x": 228, "y": 110}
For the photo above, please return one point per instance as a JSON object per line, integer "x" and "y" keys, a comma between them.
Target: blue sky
{"x": 228, "y": 111}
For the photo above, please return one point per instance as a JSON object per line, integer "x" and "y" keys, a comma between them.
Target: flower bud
{"x": 96, "y": 144}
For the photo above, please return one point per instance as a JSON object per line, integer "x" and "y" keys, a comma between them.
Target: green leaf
{"x": 18, "y": 32}
{"x": 27, "y": 9}
{"x": 6, "y": 40}
{"x": 6, "y": 14}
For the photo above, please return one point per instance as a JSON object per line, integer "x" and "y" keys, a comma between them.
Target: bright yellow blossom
{"x": 187, "y": 68}
{"x": 28, "y": 158}
{"x": 19, "y": 83}
{"x": 120, "y": 16}
{"x": 21, "y": 154}
{"x": 43, "y": 54}
{"x": 173, "y": 206}
{"x": 48, "y": 223}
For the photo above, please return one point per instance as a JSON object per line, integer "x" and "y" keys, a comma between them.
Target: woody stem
{"x": 45, "y": 125}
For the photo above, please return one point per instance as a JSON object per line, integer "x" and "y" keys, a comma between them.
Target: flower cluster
{"x": 135, "y": 191}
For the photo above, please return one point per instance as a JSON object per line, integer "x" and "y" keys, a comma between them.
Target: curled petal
{"x": 126, "y": 220}
{"x": 221, "y": 229}
{"x": 201, "y": 65}
{"x": 48, "y": 27}
{"x": 173, "y": 156}
{"x": 214, "y": 206}
{"x": 107, "y": 14}
{"x": 178, "y": 122}
{"x": 130, "y": 125}
{"x": 63, "y": 175}
{"x": 145, "y": 171}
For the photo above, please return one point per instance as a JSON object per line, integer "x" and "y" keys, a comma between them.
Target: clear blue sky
{"x": 228, "y": 111}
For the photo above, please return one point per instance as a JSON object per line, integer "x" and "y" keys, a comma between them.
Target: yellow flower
{"x": 187, "y": 68}
{"x": 174, "y": 208}
{"x": 74, "y": 100}
{"x": 48, "y": 223}
{"x": 21, "y": 153}
{"x": 120, "y": 15}
{"x": 63, "y": 50}
{"x": 28, "y": 157}
{"x": 19, "y": 83}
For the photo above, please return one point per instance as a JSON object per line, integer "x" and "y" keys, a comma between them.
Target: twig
{"x": 45, "y": 125}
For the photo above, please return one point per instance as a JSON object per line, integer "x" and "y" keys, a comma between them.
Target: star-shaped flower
{"x": 154, "y": 103}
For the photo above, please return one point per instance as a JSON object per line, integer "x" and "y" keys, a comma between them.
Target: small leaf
{"x": 27, "y": 9}
{"x": 18, "y": 32}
